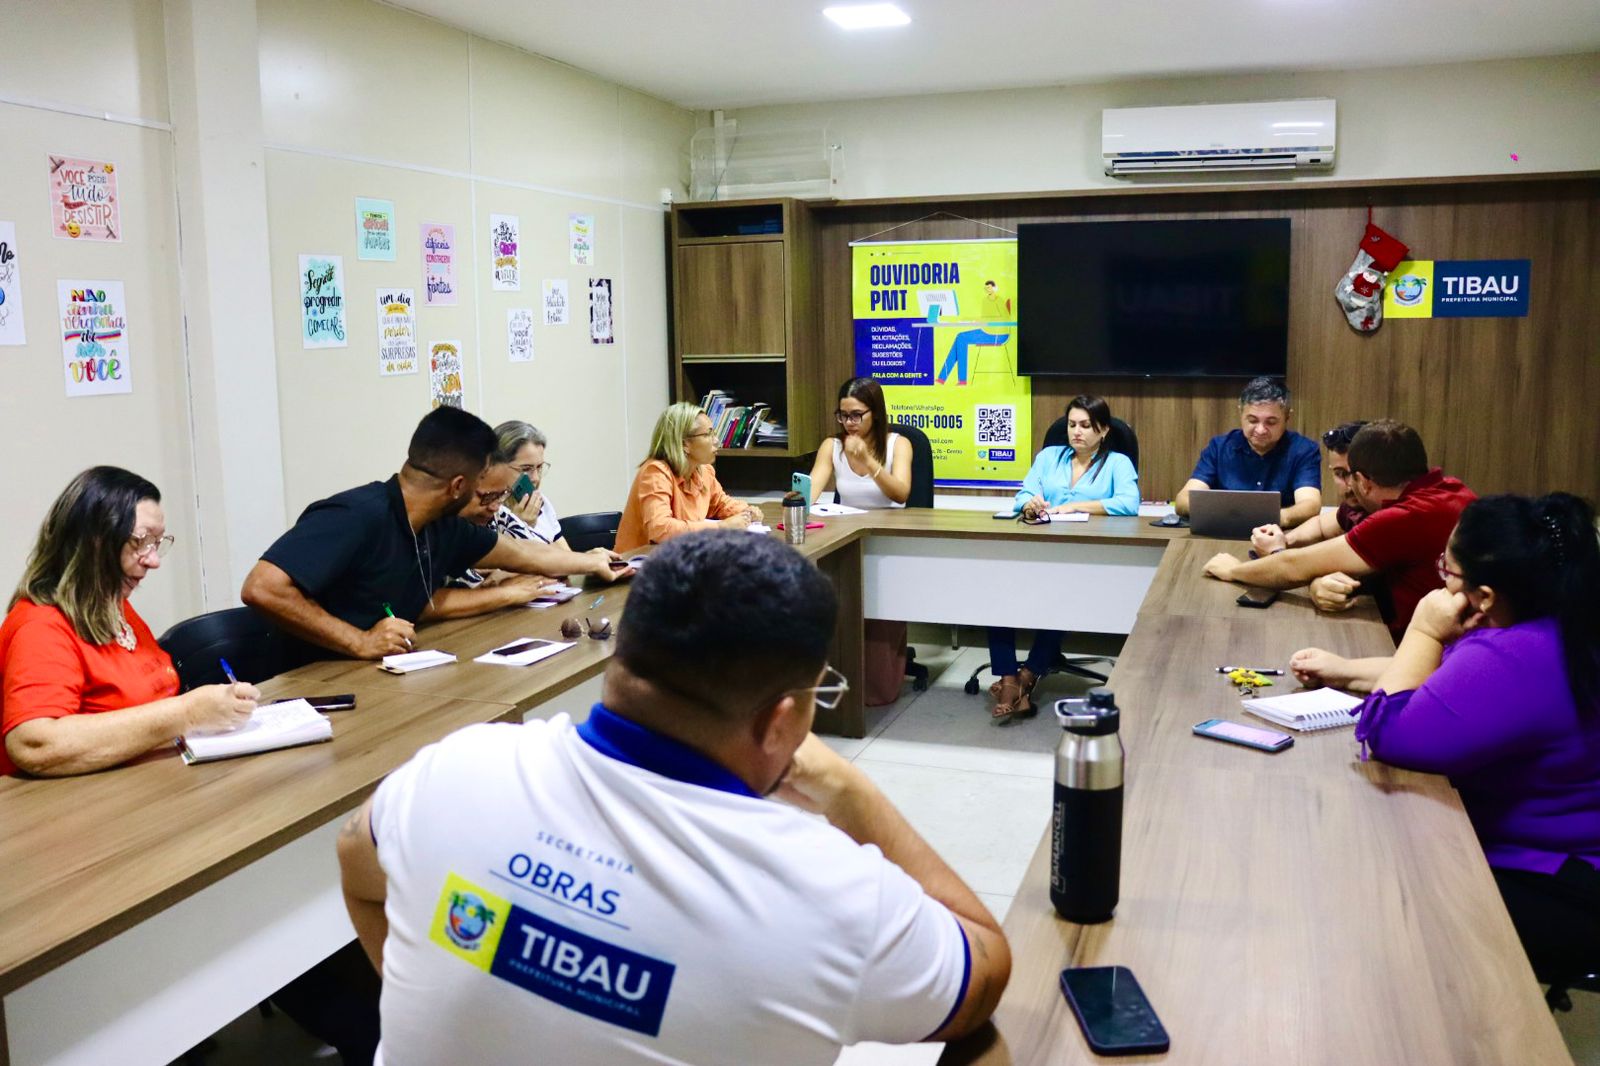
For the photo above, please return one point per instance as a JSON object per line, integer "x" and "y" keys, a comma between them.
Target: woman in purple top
{"x": 1497, "y": 683}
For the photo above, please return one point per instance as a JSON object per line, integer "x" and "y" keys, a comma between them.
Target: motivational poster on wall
{"x": 519, "y": 334}
{"x": 555, "y": 301}
{"x": 600, "y": 319}
{"x": 322, "y": 301}
{"x": 374, "y": 229}
{"x": 83, "y": 200}
{"x": 397, "y": 332}
{"x": 11, "y": 331}
{"x": 94, "y": 337}
{"x": 506, "y": 273}
{"x": 439, "y": 264}
{"x": 580, "y": 239}
{"x": 444, "y": 369}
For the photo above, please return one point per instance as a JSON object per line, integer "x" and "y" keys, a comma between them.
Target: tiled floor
{"x": 980, "y": 794}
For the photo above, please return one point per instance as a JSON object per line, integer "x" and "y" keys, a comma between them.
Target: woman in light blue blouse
{"x": 1089, "y": 476}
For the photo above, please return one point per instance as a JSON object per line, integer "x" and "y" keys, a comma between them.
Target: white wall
{"x": 364, "y": 100}
{"x": 46, "y": 438}
{"x": 1451, "y": 119}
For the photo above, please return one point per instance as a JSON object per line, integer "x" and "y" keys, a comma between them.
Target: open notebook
{"x": 272, "y": 726}
{"x": 1308, "y": 711}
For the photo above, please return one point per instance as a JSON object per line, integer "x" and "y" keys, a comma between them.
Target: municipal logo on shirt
{"x": 571, "y": 969}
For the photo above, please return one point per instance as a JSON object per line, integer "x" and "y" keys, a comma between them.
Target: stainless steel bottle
{"x": 794, "y": 517}
{"x": 1086, "y": 822}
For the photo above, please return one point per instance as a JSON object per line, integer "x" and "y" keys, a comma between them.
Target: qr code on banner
{"x": 997, "y": 424}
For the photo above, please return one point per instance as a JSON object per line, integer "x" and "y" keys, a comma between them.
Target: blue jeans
{"x": 1041, "y": 657}
{"x": 958, "y": 351}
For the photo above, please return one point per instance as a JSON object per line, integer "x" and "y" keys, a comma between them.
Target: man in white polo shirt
{"x": 625, "y": 891}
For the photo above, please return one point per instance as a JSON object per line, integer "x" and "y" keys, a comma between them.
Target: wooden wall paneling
{"x": 808, "y": 394}
{"x": 1506, "y": 404}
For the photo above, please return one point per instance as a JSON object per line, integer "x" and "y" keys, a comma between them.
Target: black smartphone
{"x": 521, "y": 646}
{"x": 1257, "y": 598}
{"x": 1111, "y": 1008}
{"x": 1248, "y": 735}
{"x": 324, "y": 703}
{"x": 620, "y": 564}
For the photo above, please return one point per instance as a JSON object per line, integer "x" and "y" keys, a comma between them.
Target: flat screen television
{"x": 1195, "y": 298}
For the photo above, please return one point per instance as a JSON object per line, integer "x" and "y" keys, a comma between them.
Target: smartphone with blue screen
{"x": 1112, "y": 1010}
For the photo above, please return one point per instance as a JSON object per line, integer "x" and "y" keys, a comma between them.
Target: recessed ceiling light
{"x": 867, "y": 16}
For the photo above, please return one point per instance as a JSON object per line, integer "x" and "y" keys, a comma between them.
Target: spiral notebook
{"x": 1308, "y": 711}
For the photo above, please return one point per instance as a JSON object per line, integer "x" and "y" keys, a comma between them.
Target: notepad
{"x": 413, "y": 661}
{"x": 270, "y": 727}
{"x": 551, "y": 595}
{"x": 835, "y": 509}
{"x": 757, "y": 527}
{"x": 533, "y": 649}
{"x": 1308, "y": 711}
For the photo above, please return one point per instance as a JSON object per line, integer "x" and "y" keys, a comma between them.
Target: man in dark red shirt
{"x": 1411, "y": 510}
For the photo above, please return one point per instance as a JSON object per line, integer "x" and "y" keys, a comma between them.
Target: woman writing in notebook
{"x": 870, "y": 468}
{"x": 1497, "y": 683}
{"x": 83, "y": 684}
{"x": 676, "y": 489}
{"x": 1086, "y": 475}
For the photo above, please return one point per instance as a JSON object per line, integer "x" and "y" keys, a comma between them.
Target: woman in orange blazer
{"x": 676, "y": 489}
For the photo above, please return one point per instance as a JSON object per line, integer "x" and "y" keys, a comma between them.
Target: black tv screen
{"x": 1199, "y": 298}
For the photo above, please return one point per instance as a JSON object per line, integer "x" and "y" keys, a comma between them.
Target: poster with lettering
{"x": 444, "y": 369}
{"x": 580, "y": 239}
{"x": 94, "y": 337}
{"x": 555, "y": 301}
{"x": 397, "y": 332}
{"x": 11, "y": 331}
{"x": 507, "y": 269}
{"x": 519, "y": 334}
{"x": 600, "y": 321}
{"x": 375, "y": 229}
{"x": 83, "y": 200}
{"x": 439, "y": 264}
{"x": 322, "y": 301}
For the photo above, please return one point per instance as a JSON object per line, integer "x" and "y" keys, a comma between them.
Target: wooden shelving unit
{"x": 744, "y": 290}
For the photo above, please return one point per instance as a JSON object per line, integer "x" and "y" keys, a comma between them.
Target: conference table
{"x": 1304, "y": 907}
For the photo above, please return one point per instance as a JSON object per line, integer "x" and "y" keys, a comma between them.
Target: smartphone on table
{"x": 344, "y": 702}
{"x": 1248, "y": 735}
{"x": 1112, "y": 1010}
{"x": 521, "y": 646}
{"x": 1254, "y": 597}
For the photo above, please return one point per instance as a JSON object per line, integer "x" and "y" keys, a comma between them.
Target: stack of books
{"x": 735, "y": 424}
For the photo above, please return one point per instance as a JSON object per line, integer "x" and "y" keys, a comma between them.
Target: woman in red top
{"x": 72, "y": 647}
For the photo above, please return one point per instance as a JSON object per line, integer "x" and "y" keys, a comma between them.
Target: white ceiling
{"x": 739, "y": 53}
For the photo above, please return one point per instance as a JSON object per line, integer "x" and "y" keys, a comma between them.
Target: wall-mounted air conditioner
{"x": 1280, "y": 135}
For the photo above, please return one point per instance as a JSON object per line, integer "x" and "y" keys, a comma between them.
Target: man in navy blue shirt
{"x": 1263, "y": 453}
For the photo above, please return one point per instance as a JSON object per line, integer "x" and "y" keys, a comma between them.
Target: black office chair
{"x": 921, "y": 496}
{"x": 1120, "y": 438}
{"x": 598, "y": 529}
{"x": 251, "y": 644}
{"x": 1559, "y": 997}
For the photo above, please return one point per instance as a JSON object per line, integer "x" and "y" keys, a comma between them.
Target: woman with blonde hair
{"x": 83, "y": 683}
{"x": 676, "y": 489}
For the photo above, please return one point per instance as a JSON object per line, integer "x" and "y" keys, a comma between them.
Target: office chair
{"x": 251, "y": 644}
{"x": 1558, "y": 996}
{"x": 921, "y": 496}
{"x": 598, "y": 529}
{"x": 1120, "y": 437}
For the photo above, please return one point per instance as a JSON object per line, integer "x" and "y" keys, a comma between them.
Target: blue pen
{"x": 598, "y": 600}
{"x": 228, "y": 672}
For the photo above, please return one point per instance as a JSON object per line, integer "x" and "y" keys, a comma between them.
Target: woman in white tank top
{"x": 871, "y": 469}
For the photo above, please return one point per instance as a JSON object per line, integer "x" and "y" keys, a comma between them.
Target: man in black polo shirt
{"x": 359, "y": 568}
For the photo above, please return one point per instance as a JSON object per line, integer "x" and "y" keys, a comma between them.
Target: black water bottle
{"x": 1086, "y": 823}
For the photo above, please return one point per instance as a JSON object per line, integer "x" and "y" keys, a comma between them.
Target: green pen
{"x": 388, "y": 610}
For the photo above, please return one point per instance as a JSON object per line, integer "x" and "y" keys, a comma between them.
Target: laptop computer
{"x": 1229, "y": 514}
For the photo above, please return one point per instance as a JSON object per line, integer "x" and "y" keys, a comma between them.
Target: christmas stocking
{"x": 1360, "y": 291}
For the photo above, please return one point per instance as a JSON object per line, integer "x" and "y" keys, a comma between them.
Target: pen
{"x": 1252, "y": 669}
{"x": 227, "y": 672}
{"x": 598, "y": 600}
{"x": 388, "y": 610}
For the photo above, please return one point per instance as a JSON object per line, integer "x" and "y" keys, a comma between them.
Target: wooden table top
{"x": 1302, "y": 907}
